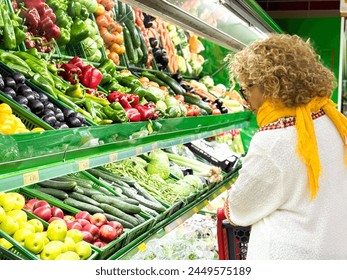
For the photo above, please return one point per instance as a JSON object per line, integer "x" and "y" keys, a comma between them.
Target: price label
{"x": 139, "y": 151}
{"x": 142, "y": 247}
{"x": 155, "y": 146}
{"x": 31, "y": 177}
{"x": 113, "y": 157}
{"x": 195, "y": 209}
{"x": 83, "y": 164}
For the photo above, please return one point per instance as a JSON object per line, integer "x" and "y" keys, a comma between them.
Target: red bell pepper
{"x": 77, "y": 61}
{"x": 145, "y": 112}
{"x": 95, "y": 78}
{"x": 86, "y": 75}
{"x": 33, "y": 3}
{"x": 45, "y": 24}
{"x": 133, "y": 99}
{"x": 123, "y": 100}
{"x": 45, "y": 11}
{"x": 32, "y": 18}
{"x": 114, "y": 96}
{"x": 71, "y": 73}
{"x": 133, "y": 114}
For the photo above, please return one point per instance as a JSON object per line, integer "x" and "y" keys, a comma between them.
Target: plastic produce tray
{"x": 232, "y": 240}
{"x": 5, "y": 71}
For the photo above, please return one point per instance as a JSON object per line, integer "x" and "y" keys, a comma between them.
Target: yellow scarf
{"x": 307, "y": 144}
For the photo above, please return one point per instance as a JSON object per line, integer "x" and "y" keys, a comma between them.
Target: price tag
{"x": 113, "y": 157}
{"x": 142, "y": 247}
{"x": 195, "y": 209}
{"x": 31, "y": 177}
{"x": 155, "y": 146}
{"x": 139, "y": 151}
{"x": 83, "y": 164}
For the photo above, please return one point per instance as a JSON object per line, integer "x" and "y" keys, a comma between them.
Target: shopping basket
{"x": 232, "y": 240}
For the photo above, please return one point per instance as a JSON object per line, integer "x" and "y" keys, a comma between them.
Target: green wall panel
{"x": 324, "y": 34}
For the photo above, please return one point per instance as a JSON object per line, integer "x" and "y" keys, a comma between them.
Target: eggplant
{"x": 2, "y": 84}
{"x": 26, "y": 107}
{"x": 10, "y": 91}
{"x": 18, "y": 77}
{"x": 205, "y": 99}
{"x": 48, "y": 112}
{"x": 51, "y": 120}
{"x": 23, "y": 89}
{"x": 164, "y": 60}
{"x": 36, "y": 106}
{"x": 153, "y": 42}
{"x": 10, "y": 82}
{"x": 218, "y": 102}
{"x": 224, "y": 110}
{"x": 67, "y": 112}
{"x": 49, "y": 105}
{"x": 21, "y": 99}
{"x": 74, "y": 122}
{"x": 29, "y": 95}
{"x": 63, "y": 126}
{"x": 43, "y": 98}
{"x": 59, "y": 116}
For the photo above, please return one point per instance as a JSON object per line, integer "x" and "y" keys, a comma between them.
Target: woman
{"x": 292, "y": 188}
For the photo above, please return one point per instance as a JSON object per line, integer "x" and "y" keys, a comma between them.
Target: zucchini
{"x": 121, "y": 11}
{"x": 139, "y": 54}
{"x": 80, "y": 182}
{"x": 118, "y": 213}
{"x": 134, "y": 34}
{"x": 150, "y": 204}
{"x": 53, "y": 192}
{"x": 92, "y": 209}
{"x": 188, "y": 98}
{"x": 130, "y": 13}
{"x": 121, "y": 205}
{"x": 59, "y": 185}
{"x": 129, "y": 47}
{"x": 123, "y": 222}
{"x": 143, "y": 46}
{"x": 83, "y": 198}
{"x": 85, "y": 191}
{"x": 172, "y": 83}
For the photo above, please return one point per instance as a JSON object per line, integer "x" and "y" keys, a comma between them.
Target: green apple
{"x": 69, "y": 243}
{"x": 83, "y": 249}
{"x": 68, "y": 256}
{"x": 75, "y": 234}
{"x": 51, "y": 251}
{"x": 8, "y": 202}
{"x": 2, "y": 214}
{"x": 21, "y": 234}
{"x": 27, "y": 225}
{"x": 44, "y": 235}
{"x": 19, "y": 215}
{"x": 19, "y": 200}
{"x": 57, "y": 230}
{"x": 37, "y": 224}
{"x": 35, "y": 242}
{"x": 9, "y": 225}
{"x": 61, "y": 244}
{"x": 5, "y": 243}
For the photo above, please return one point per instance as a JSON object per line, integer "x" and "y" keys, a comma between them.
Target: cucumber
{"x": 121, "y": 205}
{"x": 154, "y": 78}
{"x": 118, "y": 213}
{"x": 85, "y": 191}
{"x": 105, "y": 191}
{"x": 80, "y": 182}
{"x": 92, "y": 209}
{"x": 83, "y": 198}
{"x": 108, "y": 176}
{"x": 141, "y": 191}
{"x": 54, "y": 192}
{"x": 123, "y": 222}
{"x": 128, "y": 200}
{"x": 130, "y": 51}
{"x": 139, "y": 54}
{"x": 59, "y": 185}
{"x": 190, "y": 99}
{"x": 149, "y": 211}
{"x": 140, "y": 218}
{"x": 121, "y": 11}
{"x": 143, "y": 46}
{"x": 172, "y": 83}
{"x": 150, "y": 204}
{"x": 134, "y": 34}
{"x": 130, "y": 13}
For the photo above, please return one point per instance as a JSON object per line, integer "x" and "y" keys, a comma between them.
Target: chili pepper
{"x": 2, "y": 23}
{"x": 32, "y": 18}
{"x": 16, "y": 19}
{"x": 98, "y": 100}
{"x": 71, "y": 104}
{"x": 133, "y": 114}
{"x": 115, "y": 112}
{"x": 19, "y": 34}
{"x": 8, "y": 57}
{"x": 95, "y": 78}
{"x": 42, "y": 83}
{"x": 79, "y": 31}
{"x": 77, "y": 61}
{"x": 37, "y": 67}
{"x": 9, "y": 37}
{"x": 71, "y": 72}
{"x": 145, "y": 112}
{"x": 64, "y": 37}
{"x": 90, "y": 108}
{"x": 75, "y": 91}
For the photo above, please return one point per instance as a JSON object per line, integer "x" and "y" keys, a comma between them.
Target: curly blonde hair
{"x": 285, "y": 67}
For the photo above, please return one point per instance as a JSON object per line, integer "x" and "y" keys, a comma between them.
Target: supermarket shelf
{"x": 174, "y": 221}
{"x": 82, "y": 159}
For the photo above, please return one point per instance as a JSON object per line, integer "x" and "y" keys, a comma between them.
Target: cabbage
{"x": 98, "y": 40}
{"x": 96, "y": 57}
{"x": 158, "y": 155}
{"x": 176, "y": 171}
{"x": 90, "y": 47}
{"x": 159, "y": 167}
{"x": 194, "y": 181}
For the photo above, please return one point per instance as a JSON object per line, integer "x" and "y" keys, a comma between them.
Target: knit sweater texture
{"x": 272, "y": 196}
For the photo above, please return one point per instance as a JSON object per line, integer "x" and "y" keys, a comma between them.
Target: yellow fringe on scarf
{"x": 307, "y": 143}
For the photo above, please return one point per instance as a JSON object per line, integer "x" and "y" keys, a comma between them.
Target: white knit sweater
{"x": 272, "y": 194}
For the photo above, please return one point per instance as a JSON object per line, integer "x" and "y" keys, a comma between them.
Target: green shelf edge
{"x": 104, "y": 154}
{"x": 175, "y": 220}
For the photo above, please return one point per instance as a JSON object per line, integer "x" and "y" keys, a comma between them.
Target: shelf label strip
{"x": 31, "y": 177}
{"x": 83, "y": 164}
{"x": 113, "y": 157}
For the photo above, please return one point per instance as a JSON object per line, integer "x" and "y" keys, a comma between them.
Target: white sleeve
{"x": 257, "y": 192}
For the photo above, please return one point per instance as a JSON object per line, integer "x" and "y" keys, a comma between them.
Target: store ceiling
{"x": 300, "y": 8}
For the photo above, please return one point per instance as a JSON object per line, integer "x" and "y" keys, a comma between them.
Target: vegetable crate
{"x": 232, "y": 240}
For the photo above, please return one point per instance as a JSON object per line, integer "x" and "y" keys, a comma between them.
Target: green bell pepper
{"x": 63, "y": 19}
{"x": 57, "y": 4}
{"x": 115, "y": 112}
{"x": 74, "y": 9}
{"x": 79, "y": 31}
{"x": 64, "y": 37}
{"x": 84, "y": 14}
{"x": 107, "y": 66}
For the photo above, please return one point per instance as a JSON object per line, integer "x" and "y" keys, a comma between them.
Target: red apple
{"x": 54, "y": 218}
{"x": 93, "y": 229}
{"x": 99, "y": 243}
{"x": 43, "y": 212}
{"x": 116, "y": 225}
{"x": 87, "y": 236}
{"x": 41, "y": 203}
{"x": 108, "y": 233}
{"x": 83, "y": 215}
{"x": 27, "y": 208}
{"x": 57, "y": 212}
{"x": 74, "y": 225}
{"x": 83, "y": 222}
{"x": 30, "y": 203}
{"x": 98, "y": 219}
{"x": 69, "y": 218}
